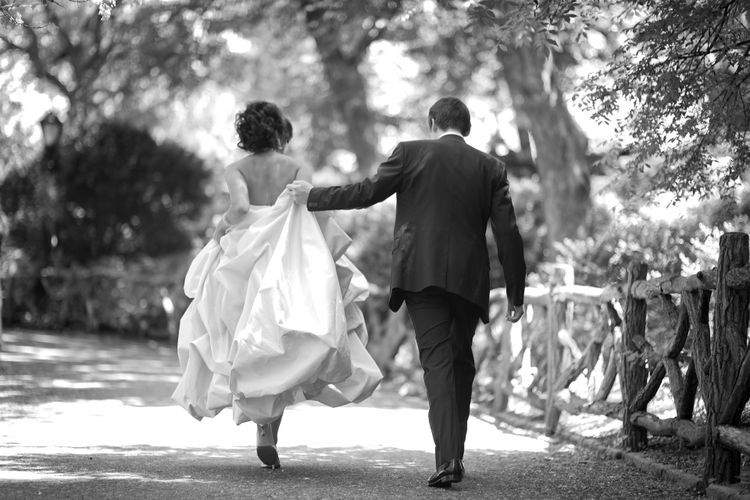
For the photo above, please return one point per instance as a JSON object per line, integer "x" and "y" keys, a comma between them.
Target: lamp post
{"x": 51, "y": 133}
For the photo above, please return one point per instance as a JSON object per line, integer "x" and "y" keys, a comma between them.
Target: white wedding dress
{"x": 274, "y": 319}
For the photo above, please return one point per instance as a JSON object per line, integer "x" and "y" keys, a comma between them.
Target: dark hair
{"x": 259, "y": 127}
{"x": 450, "y": 112}
{"x": 287, "y": 132}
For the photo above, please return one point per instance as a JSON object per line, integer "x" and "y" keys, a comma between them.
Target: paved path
{"x": 85, "y": 416}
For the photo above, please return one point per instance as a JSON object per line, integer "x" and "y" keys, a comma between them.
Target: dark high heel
{"x": 266, "y": 447}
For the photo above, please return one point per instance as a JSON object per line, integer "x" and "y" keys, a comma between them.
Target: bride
{"x": 274, "y": 318}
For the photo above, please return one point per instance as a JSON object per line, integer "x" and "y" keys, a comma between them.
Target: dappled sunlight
{"x": 26, "y": 470}
{"x": 316, "y": 472}
{"x": 91, "y": 405}
{"x": 98, "y": 426}
{"x": 102, "y": 421}
{"x": 39, "y": 367}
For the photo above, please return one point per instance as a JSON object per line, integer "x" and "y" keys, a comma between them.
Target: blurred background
{"x": 623, "y": 126}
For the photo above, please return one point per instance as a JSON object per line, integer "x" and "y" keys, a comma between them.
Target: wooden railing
{"x": 715, "y": 362}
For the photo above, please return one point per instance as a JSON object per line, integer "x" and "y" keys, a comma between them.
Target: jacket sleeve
{"x": 384, "y": 183}
{"x": 507, "y": 238}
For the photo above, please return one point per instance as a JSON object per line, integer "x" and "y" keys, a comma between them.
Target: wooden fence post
{"x": 557, "y": 313}
{"x": 635, "y": 374}
{"x": 727, "y": 349}
{"x": 502, "y": 386}
{"x": 697, "y": 304}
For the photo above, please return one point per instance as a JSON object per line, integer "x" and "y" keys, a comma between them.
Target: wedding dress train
{"x": 274, "y": 319}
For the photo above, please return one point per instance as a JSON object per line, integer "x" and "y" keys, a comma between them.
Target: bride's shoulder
{"x": 299, "y": 169}
{"x": 237, "y": 165}
{"x": 302, "y": 170}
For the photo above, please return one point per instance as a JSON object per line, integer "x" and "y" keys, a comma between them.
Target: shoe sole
{"x": 446, "y": 481}
{"x": 269, "y": 456}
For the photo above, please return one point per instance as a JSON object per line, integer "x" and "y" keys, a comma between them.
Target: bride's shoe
{"x": 266, "y": 447}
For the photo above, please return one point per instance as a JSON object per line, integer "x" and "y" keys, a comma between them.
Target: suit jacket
{"x": 446, "y": 192}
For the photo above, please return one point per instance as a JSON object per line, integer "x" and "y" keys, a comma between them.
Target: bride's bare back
{"x": 259, "y": 179}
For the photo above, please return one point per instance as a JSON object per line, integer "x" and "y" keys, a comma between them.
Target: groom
{"x": 446, "y": 192}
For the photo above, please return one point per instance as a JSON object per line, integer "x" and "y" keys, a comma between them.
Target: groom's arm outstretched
{"x": 357, "y": 195}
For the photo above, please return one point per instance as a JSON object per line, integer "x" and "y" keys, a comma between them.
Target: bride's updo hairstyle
{"x": 258, "y": 127}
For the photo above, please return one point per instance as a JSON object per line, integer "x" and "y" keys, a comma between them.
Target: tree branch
{"x": 32, "y": 52}
{"x": 366, "y": 38}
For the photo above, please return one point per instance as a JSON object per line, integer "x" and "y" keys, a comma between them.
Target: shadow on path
{"x": 83, "y": 416}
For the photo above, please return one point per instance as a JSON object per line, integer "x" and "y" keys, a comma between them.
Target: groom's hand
{"x": 300, "y": 190}
{"x": 514, "y": 313}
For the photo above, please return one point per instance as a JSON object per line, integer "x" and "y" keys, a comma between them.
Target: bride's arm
{"x": 305, "y": 174}
{"x": 239, "y": 201}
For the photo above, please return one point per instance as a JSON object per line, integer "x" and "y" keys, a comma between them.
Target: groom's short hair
{"x": 450, "y": 112}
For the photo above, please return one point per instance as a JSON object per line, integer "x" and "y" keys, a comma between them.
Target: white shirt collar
{"x": 450, "y": 132}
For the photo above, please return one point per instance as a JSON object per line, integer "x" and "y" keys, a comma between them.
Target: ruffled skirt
{"x": 274, "y": 319}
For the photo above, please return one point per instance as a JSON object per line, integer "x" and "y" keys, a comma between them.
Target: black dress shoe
{"x": 447, "y": 474}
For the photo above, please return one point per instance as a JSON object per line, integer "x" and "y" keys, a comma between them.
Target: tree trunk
{"x": 560, "y": 144}
{"x": 635, "y": 374}
{"x": 728, "y": 346}
{"x": 348, "y": 88}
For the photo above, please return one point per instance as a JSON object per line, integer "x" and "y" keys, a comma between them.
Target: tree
{"x": 681, "y": 69}
{"x": 684, "y": 68}
{"x": 124, "y": 194}
{"x": 561, "y": 146}
{"x": 343, "y": 31}
{"x": 527, "y": 48}
{"x": 98, "y": 64}
{"x": 119, "y": 194}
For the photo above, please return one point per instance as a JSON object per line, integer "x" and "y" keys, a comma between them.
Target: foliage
{"x": 683, "y": 246}
{"x": 25, "y": 201}
{"x": 514, "y": 23}
{"x": 136, "y": 297}
{"x": 126, "y": 195}
{"x": 527, "y": 203}
{"x": 113, "y": 192}
{"x": 684, "y": 69}
{"x": 99, "y": 65}
{"x": 681, "y": 70}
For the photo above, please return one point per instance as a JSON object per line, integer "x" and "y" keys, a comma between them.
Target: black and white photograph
{"x": 374, "y": 249}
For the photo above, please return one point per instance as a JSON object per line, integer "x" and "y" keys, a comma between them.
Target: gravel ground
{"x": 90, "y": 417}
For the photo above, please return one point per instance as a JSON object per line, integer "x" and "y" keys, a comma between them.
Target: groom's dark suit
{"x": 446, "y": 192}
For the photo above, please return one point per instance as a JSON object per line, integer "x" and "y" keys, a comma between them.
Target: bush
{"x": 136, "y": 297}
{"x": 115, "y": 199}
{"x": 683, "y": 246}
{"x": 123, "y": 194}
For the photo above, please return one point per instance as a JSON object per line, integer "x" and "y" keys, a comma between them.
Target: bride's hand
{"x": 221, "y": 229}
{"x": 300, "y": 190}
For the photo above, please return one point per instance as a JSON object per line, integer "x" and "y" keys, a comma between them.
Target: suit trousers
{"x": 444, "y": 324}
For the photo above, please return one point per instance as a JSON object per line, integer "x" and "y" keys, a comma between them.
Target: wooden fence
{"x": 541, "y": 365}
{"x": 696, "y": 358}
